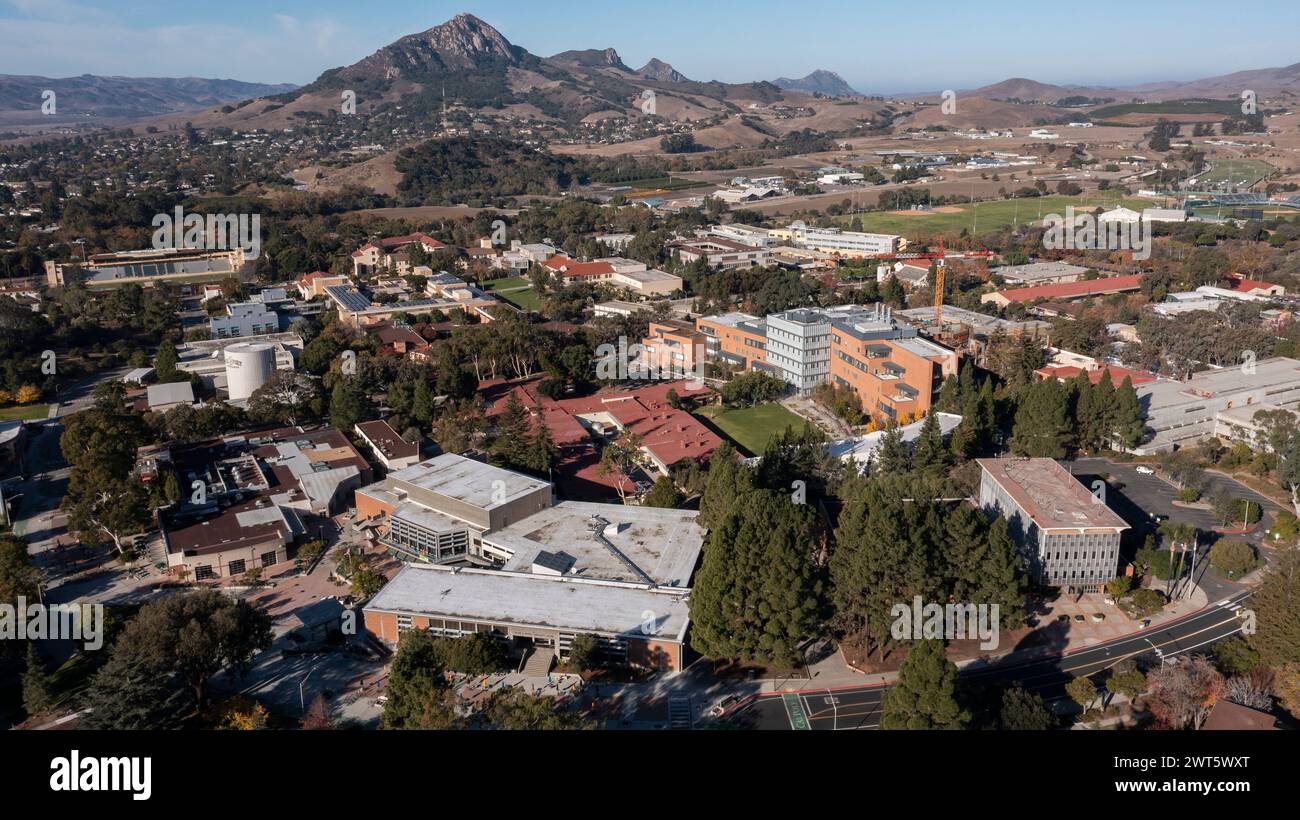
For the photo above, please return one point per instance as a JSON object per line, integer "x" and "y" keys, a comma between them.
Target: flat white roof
{"x": 546, "y": 601}
{"x": 467, "y": 480}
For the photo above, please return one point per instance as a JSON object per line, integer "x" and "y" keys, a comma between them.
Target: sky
{"x": 878, "y": 47}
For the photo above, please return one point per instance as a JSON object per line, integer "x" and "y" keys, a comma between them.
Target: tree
{"x": 348, "y": 403}
{"x": 754, "y": 387}
{"x": 1024, "y": 711}
{"x": 1233, "y": 557}
{"x": 1127, "y": 681}
{"x": 727, "y": 480}
{"x": 165, "y": 364}
{"x": 1249, "y": 690}
{"x": 1042, "y": 427}
{"x": 1277, "y": 612}
{"x": 418, "y": 693}
{"x": 1128, "y": 424}
{"x": 476, "y": 654}
{"x": 18, "y": 577}
{"x": 516, "y": 710}
{"x": 893, "y": 456}
{"x": 664, "y": 494}
{"x": 1183, "y": 694}
{"x": 756, "y": 594}
{"x": 925, "y": 695}
{"x": 37, "y": 694}
{"x": 930, "y": 452}
{"x": 584, "y": 652}
{"x": 366, "y": 582}
{"x": 1286, "y": 685}
{"x": 288, "y": 397}
{"x": 176, "y": 645}
{"x": 1235, "y": 656}
{"x": 1082, "y": 691}
{"x": 620, "y": 458}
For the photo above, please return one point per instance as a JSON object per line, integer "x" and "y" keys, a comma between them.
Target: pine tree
{"x": 514, "y": 427}
{"x": 165, "y": 364}
{"x": 727, "y": 480}
{"x": 930, "y": 452}
{"x": 1001, "y": 578}
{"x": 663, "y": 494}
{"x": 893, "y": 456}
{"x": 1042, "y": 427}
{"x": 37, "y": 694}
{"x": 756, "y": 594}
{"x": 925, "y": 696}
{"x": 1277, "y": 612}
{"x": 1023, "y": 710}
{"x": 543, "y": 455}
{"x": 1128, "y": 425}
{"x": 423, "y": 406}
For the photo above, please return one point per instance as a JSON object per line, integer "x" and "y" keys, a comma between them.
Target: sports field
{"x": 1239, "y": 172}
{"x": 516, "y": 290}
{"x": 984, "y": 216}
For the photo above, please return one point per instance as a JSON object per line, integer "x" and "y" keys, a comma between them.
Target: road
{"x": 860, "y": 707}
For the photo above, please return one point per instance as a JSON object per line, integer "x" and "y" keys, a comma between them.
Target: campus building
{"x": 185, "y": 267}
{"x": 1069, "y": 537}
{"x": 490, "y": 552}
{"x": 852, "y": 244}
{"x": 246, "y": 499}
{"x": 895, "y": 373}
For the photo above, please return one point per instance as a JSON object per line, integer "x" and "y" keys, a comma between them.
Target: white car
{"x": 1145, "y": 471}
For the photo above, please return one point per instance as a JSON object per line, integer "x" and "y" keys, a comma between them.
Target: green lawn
{"x": 516, "y": 290}
{"x": 751, "y": 427}
{"x": 1240, "y": 172}
{"x": 988, "y": 216}
{"x": 29, "y": 412}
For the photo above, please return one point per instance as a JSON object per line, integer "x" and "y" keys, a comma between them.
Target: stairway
{"x": 538, "y": 662}
{"x": 680, "y": 715}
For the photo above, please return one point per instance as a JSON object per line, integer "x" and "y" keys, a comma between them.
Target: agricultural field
{"x": 985, "y": 216}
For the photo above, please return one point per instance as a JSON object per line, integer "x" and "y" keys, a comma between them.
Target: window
{"x": 203, "y": 572}
{"x": 268, "y": 558}
{"x": 236, "y": 567}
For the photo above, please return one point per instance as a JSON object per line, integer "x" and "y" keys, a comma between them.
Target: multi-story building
{"x": 244, "y": 319}
{"x": 894, "y": 372}
{"x": 719, "y": 253}
{"x": 672, "y": 347}
{"x": 839, "y": 242}
{"x": 539, "y": 573}
{"x": 1068, "y": 536}
{"x": 391, "y": 254}
{"x": 188, "y": 268}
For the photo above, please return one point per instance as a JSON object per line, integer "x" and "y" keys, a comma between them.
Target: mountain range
{"x": 819, "y": 82}
{"x": 119, "y": 98}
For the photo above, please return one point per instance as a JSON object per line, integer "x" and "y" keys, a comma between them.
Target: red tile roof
{"x": 1241, "y": 283}
{"x": 1074, "y": 290}
{"x": 571, "y": 268}
{"x": 1117, "y": 374}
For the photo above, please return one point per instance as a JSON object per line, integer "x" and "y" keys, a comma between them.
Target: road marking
{"x": 794, "y": 711}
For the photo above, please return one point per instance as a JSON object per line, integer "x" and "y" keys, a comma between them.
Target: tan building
{"x": 389, "y": 448}
{"x": 185, "y": 267}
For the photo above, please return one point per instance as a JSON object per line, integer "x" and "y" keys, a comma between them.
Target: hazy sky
{"x": 877, "y": 47}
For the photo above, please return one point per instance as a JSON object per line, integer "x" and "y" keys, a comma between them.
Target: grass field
{"x": 985, "y": 216}
{"x": 30, "y": 412}
{"x": 1170, "y": 107}
{"x": 751, "y": 427}
{"x": 516, "y": 290}
{"x": 1239, "y": 172}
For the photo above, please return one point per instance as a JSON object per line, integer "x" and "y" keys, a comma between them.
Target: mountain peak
{"x": 657, "y": 69}
{"x": 592, "y": 58}
{"x": 820, "y": 81}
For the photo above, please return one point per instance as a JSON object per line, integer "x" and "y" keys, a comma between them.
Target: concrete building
{"x": 244, "y": 319}
{"x": 207, "y": 358}
{"x": 839, "y": 242}
{"x": 1067, "y": 290}
{"x": 719, "y": 253}
{"x": 1184, "y": 413}
{"x": 1069, "y": 538}
{"x": 163, "y": 397}
{"x": 546, "y": 573}
{"x": 188, "y": 268}
{"x": 1040, "y": 273}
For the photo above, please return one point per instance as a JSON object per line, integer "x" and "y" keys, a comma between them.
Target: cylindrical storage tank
{"x": 249, "y": 365}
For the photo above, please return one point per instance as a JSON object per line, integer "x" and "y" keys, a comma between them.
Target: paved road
{"x": 860, "y": 707}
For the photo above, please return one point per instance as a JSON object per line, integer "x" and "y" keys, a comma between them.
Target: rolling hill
{"x": 91, "y": 97}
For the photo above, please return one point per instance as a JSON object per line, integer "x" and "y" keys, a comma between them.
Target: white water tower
{"x": 249, "y": 365}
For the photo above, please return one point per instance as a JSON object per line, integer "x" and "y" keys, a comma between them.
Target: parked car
{"x": 1145, "y": 471}
{"x": 722, "y": 705}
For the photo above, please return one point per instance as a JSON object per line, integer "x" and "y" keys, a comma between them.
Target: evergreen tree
{"x": 925, "y": 696}
{"x": 423, "y": 406}
{"x": 543, "y": 455}
{"x": 1024, "y": 711}
{"x": 663, "y": 494}
{"x": 756, "y": 594}
{"x": 454, "y": 381}
{"x": 347, "y": 403}
{"x": 514, "y": 428}
{"x": 727, "y": 480}
{"x": 930, "y": 452}
{"x": 417, "y": 685}
{"x": 893, "y": 456}
{"x": 165, "y": 364}
{"x": 1277, "y": 612}
{"x": 1128, "y": 424}
{"x": 37, "y": 694}
{"x": 1042, "y": 428}
{"x": 794, "y": 455}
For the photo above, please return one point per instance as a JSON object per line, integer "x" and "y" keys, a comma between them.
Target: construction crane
{"x": 940, "y": 263}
